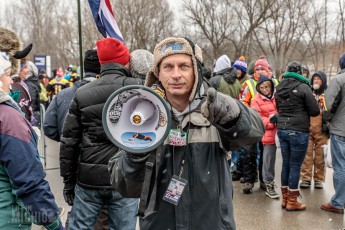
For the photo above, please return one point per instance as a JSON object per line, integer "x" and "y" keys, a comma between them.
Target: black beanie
{"x": 91, "y": 62}
{"x": 294, "y": 66}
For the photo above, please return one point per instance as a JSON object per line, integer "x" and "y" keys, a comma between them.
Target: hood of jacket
{"x": 323, "y": 77}
{"x": 284, "y": 88}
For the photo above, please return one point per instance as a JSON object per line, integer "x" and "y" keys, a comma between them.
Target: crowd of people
{"x": 231, "y": 119}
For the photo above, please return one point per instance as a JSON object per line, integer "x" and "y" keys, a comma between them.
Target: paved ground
{"x": 254, "y": 211}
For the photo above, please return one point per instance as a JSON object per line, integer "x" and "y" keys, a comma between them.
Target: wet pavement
{"x": 252, "y": 211}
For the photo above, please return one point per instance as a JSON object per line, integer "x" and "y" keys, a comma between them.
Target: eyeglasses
{"x": 264, "y": 87}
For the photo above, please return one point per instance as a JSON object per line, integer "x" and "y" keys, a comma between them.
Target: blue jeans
{"x": 294, "y": 147}
{"x": 338, "y": 161}
{"x": 88, "y": 203}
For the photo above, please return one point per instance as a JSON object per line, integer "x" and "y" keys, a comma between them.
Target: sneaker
{"x": 305, "y": 184}
{"x": 328, "y": 207}
{"x": 248, "y": 188}
{"x": 318, "y": 185}
{"x": 271, "y": 192}
{"x": 262, "y": 186}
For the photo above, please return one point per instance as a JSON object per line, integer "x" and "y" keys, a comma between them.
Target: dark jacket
{"x": 22, "y": 176}
{"x": 85, "y": 149}
{"x": 225, "y": 81}
{"x": 57, "y": 111}
{"x": 295, "y": 104}
{"x": 206, "y": 202}
{"x": 34, "y": 90}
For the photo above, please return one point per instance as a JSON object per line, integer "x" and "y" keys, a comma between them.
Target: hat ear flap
{"x": 0, "y": 84}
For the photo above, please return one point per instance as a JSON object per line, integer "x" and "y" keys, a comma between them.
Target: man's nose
{"x": 176, "y": 72}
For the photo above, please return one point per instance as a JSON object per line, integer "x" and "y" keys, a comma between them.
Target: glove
{"x": 68, "y": 193}
{"x": 274, "y": 119}
{"x": 219, "y": 108}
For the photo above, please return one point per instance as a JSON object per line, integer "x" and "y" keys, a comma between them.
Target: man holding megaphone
{"x": 186, "y": 181}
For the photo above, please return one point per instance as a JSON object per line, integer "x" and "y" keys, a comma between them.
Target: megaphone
{"x": 136, "y": 119}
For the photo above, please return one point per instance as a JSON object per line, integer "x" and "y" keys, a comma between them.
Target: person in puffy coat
{"x": 264, "y": 102}
{"x": 85, "y": 149}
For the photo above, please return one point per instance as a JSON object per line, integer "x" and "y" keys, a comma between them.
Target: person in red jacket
{"x": 265, "y": 104}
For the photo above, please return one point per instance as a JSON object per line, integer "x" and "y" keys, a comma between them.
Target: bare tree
{"x": 280, "y": 35}
{"x": 143, "y": 23}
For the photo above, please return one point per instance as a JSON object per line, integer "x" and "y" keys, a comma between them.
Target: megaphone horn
{"x": 136, "y": 119}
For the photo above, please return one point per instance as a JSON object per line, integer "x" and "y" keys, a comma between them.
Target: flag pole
{"x": 80, "y": 43}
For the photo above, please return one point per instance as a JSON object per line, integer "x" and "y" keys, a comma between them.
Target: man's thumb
{"x": 211, "y": 95}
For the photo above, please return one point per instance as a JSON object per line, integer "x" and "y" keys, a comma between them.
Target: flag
{"x": 105, "y": 19}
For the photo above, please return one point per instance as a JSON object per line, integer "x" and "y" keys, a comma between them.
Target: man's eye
{"x": 167, "y": 67}
{"x": 185, "y": 67}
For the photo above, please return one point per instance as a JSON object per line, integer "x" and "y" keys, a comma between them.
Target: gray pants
{"x": 269, "y": 161}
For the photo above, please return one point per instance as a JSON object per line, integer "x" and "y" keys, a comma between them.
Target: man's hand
{"x": 68, "y": 194}
{"x": 219, "y": 108}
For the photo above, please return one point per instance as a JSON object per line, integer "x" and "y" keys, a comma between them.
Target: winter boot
{"x": 285, "y": 195}
{"x": 292, "y": 203}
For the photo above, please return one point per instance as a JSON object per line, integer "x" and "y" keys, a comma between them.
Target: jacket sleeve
{"x": 310, "y": 102}
{"x": 70, "y": 144}
{"x": 25, "y": 171}
{"x": 127, "y": 171}
{"x": 50, "y": 125}
{"x": 332, "y": 93}
{"x": 247, "y": 129}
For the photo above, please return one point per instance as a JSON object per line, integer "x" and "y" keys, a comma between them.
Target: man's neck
{"x": 179, "y": 103}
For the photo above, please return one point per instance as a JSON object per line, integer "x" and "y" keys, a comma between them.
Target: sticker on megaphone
{"x": 136, "y": 119}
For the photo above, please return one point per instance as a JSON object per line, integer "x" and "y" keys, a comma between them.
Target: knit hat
{"x": 295, "y": 67}
{"x": 33, "y": 69}
{"x": 4, "y": 63}
{"x": 342, "y": 61}
{"x": 91, "y": 62}
{"x": 140, "y": 63}
{"x": 176, "y": 45}
{"x": 241, "y": 64}
{"x": 112, "y": 50}
{"x": 222, "y": 62}
{"x": 262, "y": 63}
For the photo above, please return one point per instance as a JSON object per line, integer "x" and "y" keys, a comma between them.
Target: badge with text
{"x": 177, "y": 138}
{"x": 175, "y": 190}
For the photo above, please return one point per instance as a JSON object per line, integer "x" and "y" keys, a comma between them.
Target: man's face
{"x": 261, "y": 71}
{"x": 24, "y": 72}
{"x": 239, "y": 73}
{"x": 6, "y": 81}
{"x": 317, "y": 80}
{"x": 176, "y": 74}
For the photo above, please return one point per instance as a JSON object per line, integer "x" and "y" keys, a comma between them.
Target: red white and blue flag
{"x": 105, "y": 19}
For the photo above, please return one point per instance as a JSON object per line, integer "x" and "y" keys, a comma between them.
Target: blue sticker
{"x": 138, "y": 140}
{"x": 173, "y": 45}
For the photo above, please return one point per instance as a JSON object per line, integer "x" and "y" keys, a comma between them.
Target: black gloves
{"x": 274, "y": 119}
{"x": 68, "y": 193}
{"x": 219, "y": 108}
